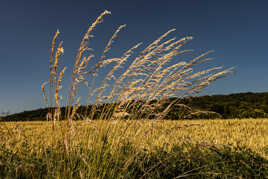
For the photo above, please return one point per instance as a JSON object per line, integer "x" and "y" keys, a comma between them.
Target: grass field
{"x": 127, "y": 149}
{"x": 137, "y": 148}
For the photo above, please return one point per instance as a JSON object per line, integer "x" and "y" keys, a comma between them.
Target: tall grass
{"x": 153, "y": 75}
{"x": 114, "y": 148}
{"x": 186, "y": 149}
{"x": 136, "y": 91}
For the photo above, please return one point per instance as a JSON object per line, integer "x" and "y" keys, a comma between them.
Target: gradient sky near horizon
{"x": 235, "y": 29}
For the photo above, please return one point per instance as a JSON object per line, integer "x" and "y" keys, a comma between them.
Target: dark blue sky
{"x": 235, "y": 29}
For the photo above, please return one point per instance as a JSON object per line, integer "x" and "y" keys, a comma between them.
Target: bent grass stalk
{"x": 154, "y": 74}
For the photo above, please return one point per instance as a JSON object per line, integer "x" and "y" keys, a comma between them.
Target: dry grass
{"x": 144, "y": 134}
{"x": 153, "y": 74}
{"x": 137, "y": 148}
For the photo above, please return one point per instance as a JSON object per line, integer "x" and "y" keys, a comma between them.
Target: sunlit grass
{"x": 102, "y": 145}
{"x": 134, "y": 148}
{"x": 251, "y": 133}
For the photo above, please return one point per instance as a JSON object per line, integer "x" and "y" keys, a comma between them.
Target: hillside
{"x": 240, "y": 105}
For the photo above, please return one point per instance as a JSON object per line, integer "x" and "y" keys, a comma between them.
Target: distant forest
{"x": 241, "y": 105}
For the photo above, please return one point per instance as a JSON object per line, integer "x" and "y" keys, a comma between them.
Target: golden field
{"x": 251, "y": 133}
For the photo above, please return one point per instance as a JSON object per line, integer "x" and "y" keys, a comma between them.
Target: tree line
{"x": 240, "y": 105}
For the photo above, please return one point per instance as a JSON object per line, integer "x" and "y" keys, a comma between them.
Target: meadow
{"x": 135, "y": 149}
{"x": 123, "y": 134}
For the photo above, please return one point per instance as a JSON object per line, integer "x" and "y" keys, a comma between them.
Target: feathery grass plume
{"x": 161, "y": 81}
{"x": 57, "y": 112}
{"x": 57, "y": 83}
{"x": 142, "y": 89}
{"x": 44, "y": 93}
{"x": 59, "y": 52}
{"x": 155, "y": 43}
{"x": 112, "y": 97}
{"x": 119, "y": 81}
{"x": 110, "y": 76}
{"x": 51, "y": 67}
{"x": 140, "y": 68}
{"x": 54, "y": 83}
{"x": 79, "y": 67}
{"x": 107, "y": 48}
{"x": 146, "y": 63}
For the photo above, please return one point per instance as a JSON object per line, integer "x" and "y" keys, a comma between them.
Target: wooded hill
{"x": 241, "y": 105}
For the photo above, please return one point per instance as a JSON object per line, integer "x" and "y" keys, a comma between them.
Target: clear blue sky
{"x": 235, "y": 29}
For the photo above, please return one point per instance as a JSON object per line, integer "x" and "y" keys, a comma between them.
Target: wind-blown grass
{"x": 153, "y": 74}
{"x": 114, "y": 148}
{"x": 136, "y": 91}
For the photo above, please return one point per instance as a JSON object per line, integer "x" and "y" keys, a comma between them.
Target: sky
{"x": 236, "y": 30}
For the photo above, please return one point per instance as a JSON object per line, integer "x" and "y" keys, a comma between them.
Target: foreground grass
{"x": 135, "y": 149}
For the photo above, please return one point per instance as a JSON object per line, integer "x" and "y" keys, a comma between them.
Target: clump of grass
{"x": 152, "y": 75}
{"x": 140, "y": 90}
